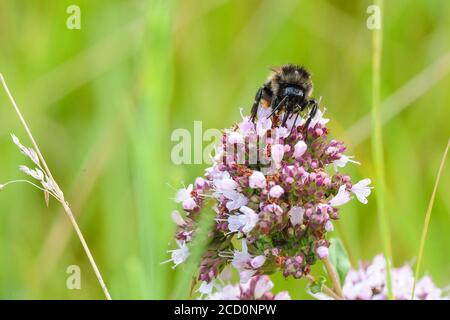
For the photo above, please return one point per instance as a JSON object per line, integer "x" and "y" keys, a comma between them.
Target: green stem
{"x": 377, "y": 149}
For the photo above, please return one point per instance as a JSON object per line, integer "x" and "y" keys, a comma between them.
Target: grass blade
{"x": 427, "y": 220}
{"x": 150, "y": 119}
{"x": 198, "y": 248}
{"x": 377, "y": 148}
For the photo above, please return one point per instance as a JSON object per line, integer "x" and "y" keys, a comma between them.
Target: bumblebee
{"x": 288, "y": 88}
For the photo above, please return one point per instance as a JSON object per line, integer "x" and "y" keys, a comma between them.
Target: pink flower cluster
{"x": 257, "y": 288}
{"x": 276, "y": 193}
{"x": 369, "y": 283}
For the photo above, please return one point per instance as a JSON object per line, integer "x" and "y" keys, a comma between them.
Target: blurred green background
{"x": 102, "y": 102}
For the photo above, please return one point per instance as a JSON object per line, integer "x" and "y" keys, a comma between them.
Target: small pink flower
{"x": 246, "y": 275}
{"x": 241, "y": 258}
{"x": 277, "y": 153}
{"x": 200, "y": 182}
{"x": 318, "y": 119}
{"x": 235, "y": 137}
{"x": 176, "y": 217}
{"x": 331, "y": 150}
{"x": 362, "y": 190}
{"x": 184, "y": 194}
{"x": 263, "y": 125}
{"x": 235, "y": 200}
{"x": 342, "y": 197}
{"x": 283, "y": 295}
{"x": 276, "y": 191}
{"x": 225, "y": 185}
{"x": 263, "y": 285}
{"x": 322, "y": 252}
{"x": 258, "y": 261}
{"x": 244, "y": 222}
{"x": 299, "y": 149}
{"x": 282, "y": 132}
{"x": 257, "y": 180}
{"x": 179, "y": 255}
{"x": 296, "y": 215}
{"x": 206, "y": 288}
{"x": 246, "y": 126}
{"x": 189, "y": 204}
{"x": 272, "y": 207}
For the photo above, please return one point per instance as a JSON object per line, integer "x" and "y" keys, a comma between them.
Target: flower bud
{"x": 276, "y": 191}
{"x": 299, "y": 149}
{"x": 322, "y": 252}
{"x": 257, "y": 180}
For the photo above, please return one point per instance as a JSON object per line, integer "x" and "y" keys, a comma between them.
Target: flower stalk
{"x": 57, "y": 192}
{"x": 334, "y": 278}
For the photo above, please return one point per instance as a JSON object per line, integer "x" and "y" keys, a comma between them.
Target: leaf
{"x": 316, "y": 286}
{"x": 339, "y": 258}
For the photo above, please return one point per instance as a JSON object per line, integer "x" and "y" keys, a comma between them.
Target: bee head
{"x": 291, "y": 80}
{"x": 292, "y": 91}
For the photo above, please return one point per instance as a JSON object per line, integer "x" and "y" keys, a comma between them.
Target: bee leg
{"x": 286, "y": 116}
{"x": 293, "y": 124}
{"x": 312, "y": 113}
{"x": 256, "y": 104}
{"x": 275, "y": 102}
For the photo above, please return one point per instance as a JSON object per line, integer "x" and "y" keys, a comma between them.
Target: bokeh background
{"x": 102, "y": 102}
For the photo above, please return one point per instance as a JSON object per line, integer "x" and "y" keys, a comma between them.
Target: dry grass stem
{"x": 59, "y": 192}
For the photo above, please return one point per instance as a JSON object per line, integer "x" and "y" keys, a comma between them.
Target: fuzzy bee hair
{"x": 290, "y": 74}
